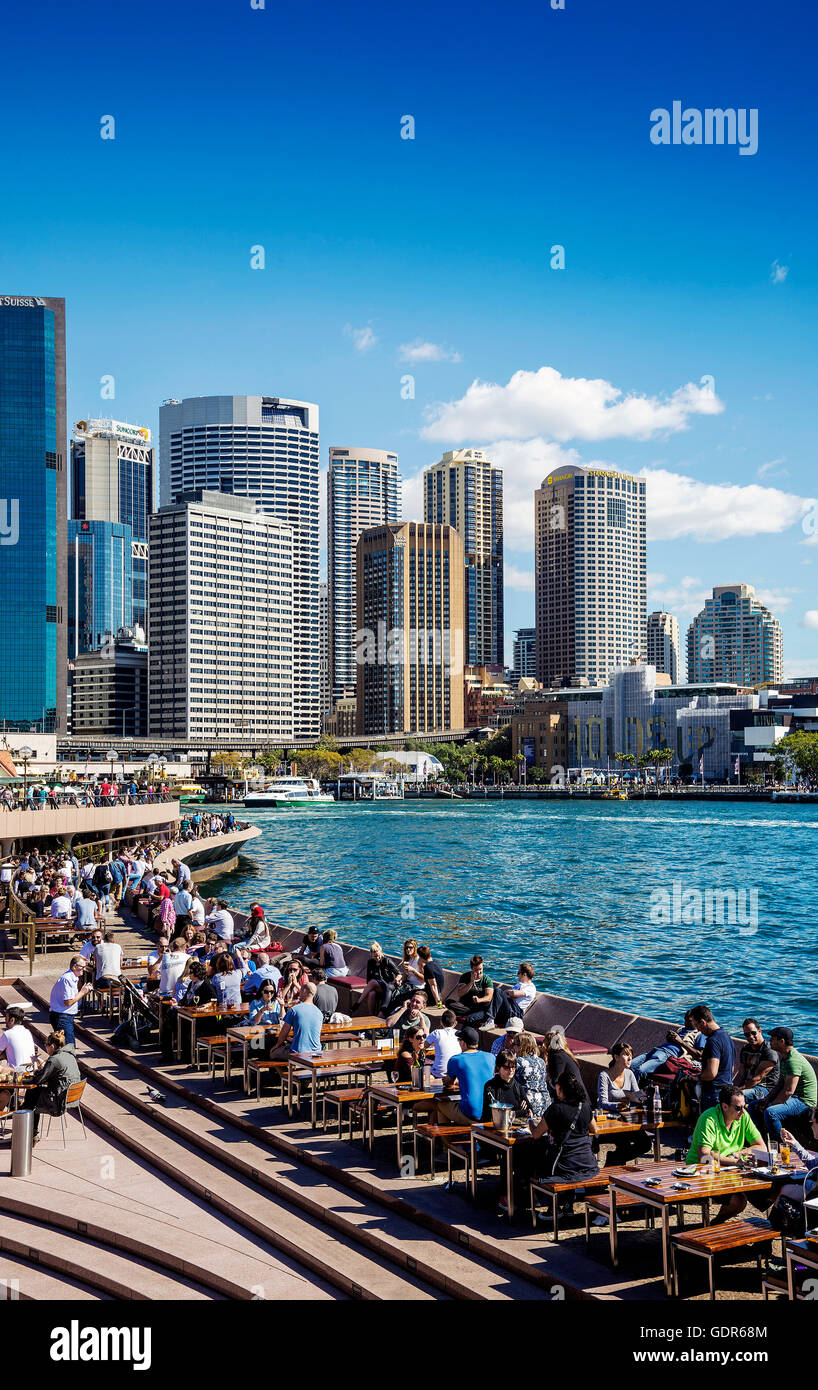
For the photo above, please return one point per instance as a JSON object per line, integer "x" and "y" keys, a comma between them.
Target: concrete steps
{"x": 21, "y": 1279}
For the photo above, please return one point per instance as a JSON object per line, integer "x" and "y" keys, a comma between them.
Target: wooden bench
{"x": 752, "y": 1233}
{"x": 262, "y": 1067}
{"x": 431, "y": 1133}
{"x": 348, "y": 1095}
{"x": 457, "y": 1153}
{"x": 554, "y": 1188}
{"x": 625, "y": 1201}
{"x": 214, "y": 1040}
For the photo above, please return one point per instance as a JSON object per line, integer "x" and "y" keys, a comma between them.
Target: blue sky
{"x": 281, "y": 128}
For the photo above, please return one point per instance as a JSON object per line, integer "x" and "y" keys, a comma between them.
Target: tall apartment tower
{"x": 663, "y": 644}
{"x": 363, "y": 490}
{"x": 265, "y": 448}
{"x": 33, "y": 514}
{"x": 112, "y": 479}
{"x": 323, "y": 650}
{"x": 220, "y": 625}
{"x": 590, "y": 574}
{"x": 735, "y": 638}
{"x": 524, "y": 654}
{"x": 465, "y": 490}
{"x": 410, "y": 592}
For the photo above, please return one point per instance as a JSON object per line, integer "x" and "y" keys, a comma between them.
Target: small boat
{"x": 288, "y": 793}
{"x": 615, "y": 796}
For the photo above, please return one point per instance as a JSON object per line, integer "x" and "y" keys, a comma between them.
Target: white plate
{"x": 689, "y": 1171}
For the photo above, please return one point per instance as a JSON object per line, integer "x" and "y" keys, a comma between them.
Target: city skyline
{"x": 677, "y": 339}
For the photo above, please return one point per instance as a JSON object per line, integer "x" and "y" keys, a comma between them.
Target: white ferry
{"x": 283, "y": 793}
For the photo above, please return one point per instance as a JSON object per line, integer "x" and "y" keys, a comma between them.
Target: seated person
{"x": 199, "y": 988}
{"x": 289, "y": 986}
{"x": 433, "y": 977}
{"x": 331, "y": 955}
{"x": 797, "y": 1091}
{"x": 264, "y": 971}
{"x": 559, "y": 1058}
{"x": 726, "y": 1130}
{"x": 265, "y": 1007}
{"x": 560, "y": 1144}
{"x": 532, "y": 1074}
{"x": 616, "y": 1088}
{"x": 758, "y": 1066}
{"x": 410, "y": 1015}
{"x": 473, "y": 993}
{"x": 511, "y": 1001}
{"x": 301, "y": 1028}
{"x": 382, "y": 975}
{"x": 311, "y": 944}
{"x": 685, "y": 1042}
{"x": 514, "y": 1028}
{"x": 411, "y": 1057}
{"x": 797, "y": 1192}
{"x": 326, "y": 995}
{"x": 58, "y": 1072}
{"x": 470, "y": 1070}
{"x": 18, "y": 1047}
{"x": 226, "y": 981}
{"x": 445, "y": 1042}
{"x": 108, "y": 957}
{"x": 503, "y": 1088}
{"x": 258, "y": 932}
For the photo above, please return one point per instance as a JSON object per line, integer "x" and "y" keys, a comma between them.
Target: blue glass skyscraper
{"x": 33, "y": 513}
{"x": 100, "y": 583}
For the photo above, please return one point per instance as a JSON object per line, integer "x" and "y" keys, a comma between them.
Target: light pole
{"x": 25, "y": 754}
{"x": 111, "y": 757}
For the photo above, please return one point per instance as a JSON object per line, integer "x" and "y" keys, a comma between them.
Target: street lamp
{"x": 25, "y": 754}
{"x": 111, "y": 757}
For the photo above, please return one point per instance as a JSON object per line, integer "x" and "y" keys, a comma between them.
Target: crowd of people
{"x": 38, "y": 796}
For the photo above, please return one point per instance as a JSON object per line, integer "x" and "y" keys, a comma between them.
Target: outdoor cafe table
{"x": 192, "y": 1016}
{"x": 700, "y": 1189}
{"x": 631, "y": 1122}
{"x": 348, "y": 1059}
{"x": 13, "y": 1082}
{"x": 802, "y": 1252}
{"x": 247, "y": 1035}
{"x": 503, "y": 1141}
{"x": 395, "y": 1097}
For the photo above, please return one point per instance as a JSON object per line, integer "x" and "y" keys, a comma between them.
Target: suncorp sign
{"x": 134, "y": 434}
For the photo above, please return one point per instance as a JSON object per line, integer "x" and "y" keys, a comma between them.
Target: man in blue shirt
{"x": 66, "y": 996}
{"x": 718, "y": 1058}
{"x": 471, "y": 1069}
{"x": 263, "y": 971}
{"x": 303, "y": 1024}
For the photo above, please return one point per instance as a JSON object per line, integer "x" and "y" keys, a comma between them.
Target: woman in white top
{"x": 412, "y": 966}
{"x": 615, "y": 1088}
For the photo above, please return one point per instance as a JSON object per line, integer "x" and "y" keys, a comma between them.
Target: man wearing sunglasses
{"x": 727, "y": 1132}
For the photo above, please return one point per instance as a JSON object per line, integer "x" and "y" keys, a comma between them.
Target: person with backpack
{"x": 103, "y": 879}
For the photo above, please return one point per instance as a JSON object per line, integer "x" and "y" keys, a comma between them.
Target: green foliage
{"x": 800, "y": 749}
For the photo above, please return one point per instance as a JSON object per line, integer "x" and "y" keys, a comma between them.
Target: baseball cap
{"x": 786, "y": 1035}
{"x": 514, "y": 1025}
{"x": 470, "y": 1037}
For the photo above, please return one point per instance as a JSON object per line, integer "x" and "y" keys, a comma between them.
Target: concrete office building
{"x": 411, "y": 615}
{"x": 220, "y": 626}
{"x": 524, "y": 654}
{"x": 109, "y": 689}
{"x": 323, "y": 650}
{"x": 735, "y": 638}
{"x": 663, "y": 644}
{"x": 265, "y": 448}
{"x": 590, "y": 574}
{"x": 100, "y": 584}
{"x": 363, "y": 490}
{"x": 465, "y": 490}
{"x": 112, "y": 479}
{"x": 33, "y": 514}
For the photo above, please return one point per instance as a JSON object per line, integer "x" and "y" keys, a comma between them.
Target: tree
{"x": 800, "y": 750}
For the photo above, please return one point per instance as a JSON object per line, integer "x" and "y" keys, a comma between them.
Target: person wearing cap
{"x": 258, "y": 932}
{"x": 514, "y": 1028}
{"x": 470, "y": 1070}
{"x": 797, "y": 1091}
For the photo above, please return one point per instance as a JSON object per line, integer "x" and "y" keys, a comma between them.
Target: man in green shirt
{"x": 797, "y": 1091}
{"x": 726, "y": 1130}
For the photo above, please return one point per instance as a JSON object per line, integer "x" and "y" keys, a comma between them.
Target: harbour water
{"x": 609, "y": 900}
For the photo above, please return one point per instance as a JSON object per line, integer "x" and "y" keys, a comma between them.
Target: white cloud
{"x": 778, "y": 273}
{"x": 684, "y": 598}
{"x": 773, "y": 466}
{"x": 807, "y": 666}
{"x": 421, "y": 351}
{"x": 810, "y": 619}
{"x": 681, "y": 506}
{"x": 514, "y": 578}
{"x": 363, "y": 338}
{"x": 562, "y": 408}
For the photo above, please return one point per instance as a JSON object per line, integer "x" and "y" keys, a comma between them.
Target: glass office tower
{"x": 33, "y": 513}
{"x": 100, "y": 583}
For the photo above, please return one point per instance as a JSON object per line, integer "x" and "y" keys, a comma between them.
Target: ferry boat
{"x": 283, "y": 793}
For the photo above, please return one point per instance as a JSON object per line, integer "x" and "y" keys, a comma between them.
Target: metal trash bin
{"x": 22, "y": 1142}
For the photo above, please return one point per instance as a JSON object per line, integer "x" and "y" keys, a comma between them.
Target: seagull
{"x": 156, "y": 1095}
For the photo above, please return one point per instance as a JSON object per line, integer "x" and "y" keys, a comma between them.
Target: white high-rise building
{"x": 323, "y": 649}
{"x": 735, "y": 638}
{"x": 590, "y": 574}
{"x": 220, "y": 622}
{"x": 266, "y": 448}
{"x": 663, "y": 644}
{"x": 363, "y": 490}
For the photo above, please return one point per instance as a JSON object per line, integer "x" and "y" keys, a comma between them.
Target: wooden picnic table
{"x": 701, "y": 1188}
{"x": 394, "y": 1097}
{"x": 348, "y": 1059}
{"x": 192, "y": 1016}
{"x": 802, "y": 1252}
{"x": 249, "y": 1033}
{"x": 610, "y": 1124}
{"x": 503, "y": 1140}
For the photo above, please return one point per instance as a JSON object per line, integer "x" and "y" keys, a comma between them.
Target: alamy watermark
{"x": 713, "y": 907}
{"x": 397, "y": 646}
{"x": 715, "y": 125}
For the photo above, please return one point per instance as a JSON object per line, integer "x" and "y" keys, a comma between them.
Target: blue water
{"x": 567, "y": 886}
